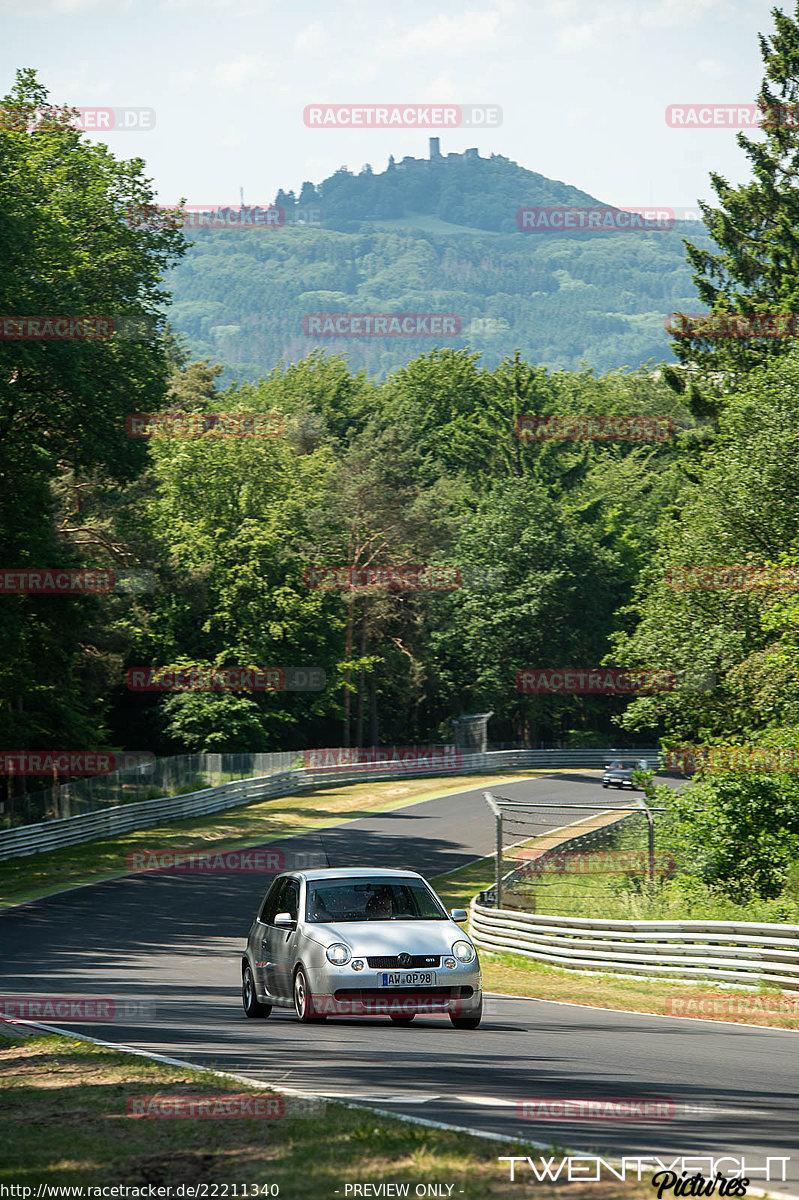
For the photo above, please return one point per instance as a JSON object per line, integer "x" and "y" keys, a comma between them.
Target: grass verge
{"x": 63, "y": 1121}
{"x": 39, "y": 875}
{"x": 514, "y": 974}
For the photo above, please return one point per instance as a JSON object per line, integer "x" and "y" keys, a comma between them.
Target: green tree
{"x": 755, "y": 265}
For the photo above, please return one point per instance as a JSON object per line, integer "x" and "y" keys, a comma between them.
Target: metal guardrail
{"x": 730, "y": 951}
{"x": 50, "y": 835}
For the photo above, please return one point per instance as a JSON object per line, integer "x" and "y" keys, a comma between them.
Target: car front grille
{"x": 422, "y": 993}
{"x": 390, "y": 962}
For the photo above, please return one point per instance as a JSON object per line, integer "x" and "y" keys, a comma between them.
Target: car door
{"x": 277, "y": 942}
{"x": 260, "y": 935}
{"x": 283, "y": 940}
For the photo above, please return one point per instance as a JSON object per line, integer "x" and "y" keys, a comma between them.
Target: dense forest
{"x": 443, "y": 238}
{"x": 558, "y": 551}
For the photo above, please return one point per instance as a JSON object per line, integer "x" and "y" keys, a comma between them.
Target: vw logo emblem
{"x": 404, "y": 960}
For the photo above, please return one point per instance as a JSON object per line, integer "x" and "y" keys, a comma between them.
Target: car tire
{"x": 252, "y": 1005}
{"x": 470, "y": 1022}
{"x": 303, "y": 999}
{"x": 402, "y": 1020}
{"x": 604, "y": 785}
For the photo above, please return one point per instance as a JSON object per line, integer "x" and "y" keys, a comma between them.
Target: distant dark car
{"x": 620, "y": 774}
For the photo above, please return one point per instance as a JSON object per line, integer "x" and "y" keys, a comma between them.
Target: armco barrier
{"x": 740, "y": 952}
{"x": 124, "y": 818}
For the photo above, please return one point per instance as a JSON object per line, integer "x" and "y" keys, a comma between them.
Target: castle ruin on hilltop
{"x": 436, "y": 159}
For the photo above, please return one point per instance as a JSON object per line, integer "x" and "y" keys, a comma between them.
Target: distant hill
{"x": 433, "y": 235}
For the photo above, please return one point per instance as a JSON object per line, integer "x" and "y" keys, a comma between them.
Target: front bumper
{"x": 342, "y": 991}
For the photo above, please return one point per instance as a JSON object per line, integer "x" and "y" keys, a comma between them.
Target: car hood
{"x": 389, "y": 937}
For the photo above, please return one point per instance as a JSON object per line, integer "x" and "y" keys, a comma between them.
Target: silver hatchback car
{"x": 357, "y": 942}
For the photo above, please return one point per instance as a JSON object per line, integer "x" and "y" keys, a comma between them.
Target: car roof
{"x": 357, "y": 873}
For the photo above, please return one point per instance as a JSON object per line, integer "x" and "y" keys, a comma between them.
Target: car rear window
{"x": 371, "y": 900}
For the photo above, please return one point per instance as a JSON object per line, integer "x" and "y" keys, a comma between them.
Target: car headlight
{"x": 463, "y": 951}
{"x": 338, "y": 954}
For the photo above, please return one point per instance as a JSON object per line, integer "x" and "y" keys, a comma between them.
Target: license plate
{"x": 406, "y": 978}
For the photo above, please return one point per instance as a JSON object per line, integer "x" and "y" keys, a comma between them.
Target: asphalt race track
{"x": 172, "y": 944}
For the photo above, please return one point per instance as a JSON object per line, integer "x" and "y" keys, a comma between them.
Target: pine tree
{"x": 757, "y": 232}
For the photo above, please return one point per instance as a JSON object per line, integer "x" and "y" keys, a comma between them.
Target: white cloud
{"x": 666, "y": 14}
{"x": 181, "y": 81}
{"x": 240, "y": 70}
{"x": 576, "y": 37}
{"x": 312, "y": 39}
{"x": 464, "y": 34}
{"x": 713, "y": 68}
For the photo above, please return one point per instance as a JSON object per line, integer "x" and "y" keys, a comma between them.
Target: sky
{"x": 583, "y": 85}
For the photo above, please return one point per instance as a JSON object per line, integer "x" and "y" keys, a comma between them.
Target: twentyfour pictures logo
{"x": 398, "y": 116}
{"x": 381, "y": 325}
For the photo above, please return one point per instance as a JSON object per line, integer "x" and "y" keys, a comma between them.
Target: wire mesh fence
{"x": 175, "y": 776}
{"x": 592, "y": 861}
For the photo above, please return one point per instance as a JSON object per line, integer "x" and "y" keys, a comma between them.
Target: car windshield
{"x": 371, "y": 900}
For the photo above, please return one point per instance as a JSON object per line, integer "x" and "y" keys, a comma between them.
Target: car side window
{"x": 290, "y": 898}
{"x": 270, "y": 904}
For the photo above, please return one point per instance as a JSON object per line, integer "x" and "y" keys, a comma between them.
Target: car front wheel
{"x": 303, "y": 999}
{"x": 470, "y": 1022}
{"x": 252, "y": 1005}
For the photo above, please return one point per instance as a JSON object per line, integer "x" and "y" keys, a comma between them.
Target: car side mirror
{"x": 284, "y": 920}
{"x": 459, "y": 914}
